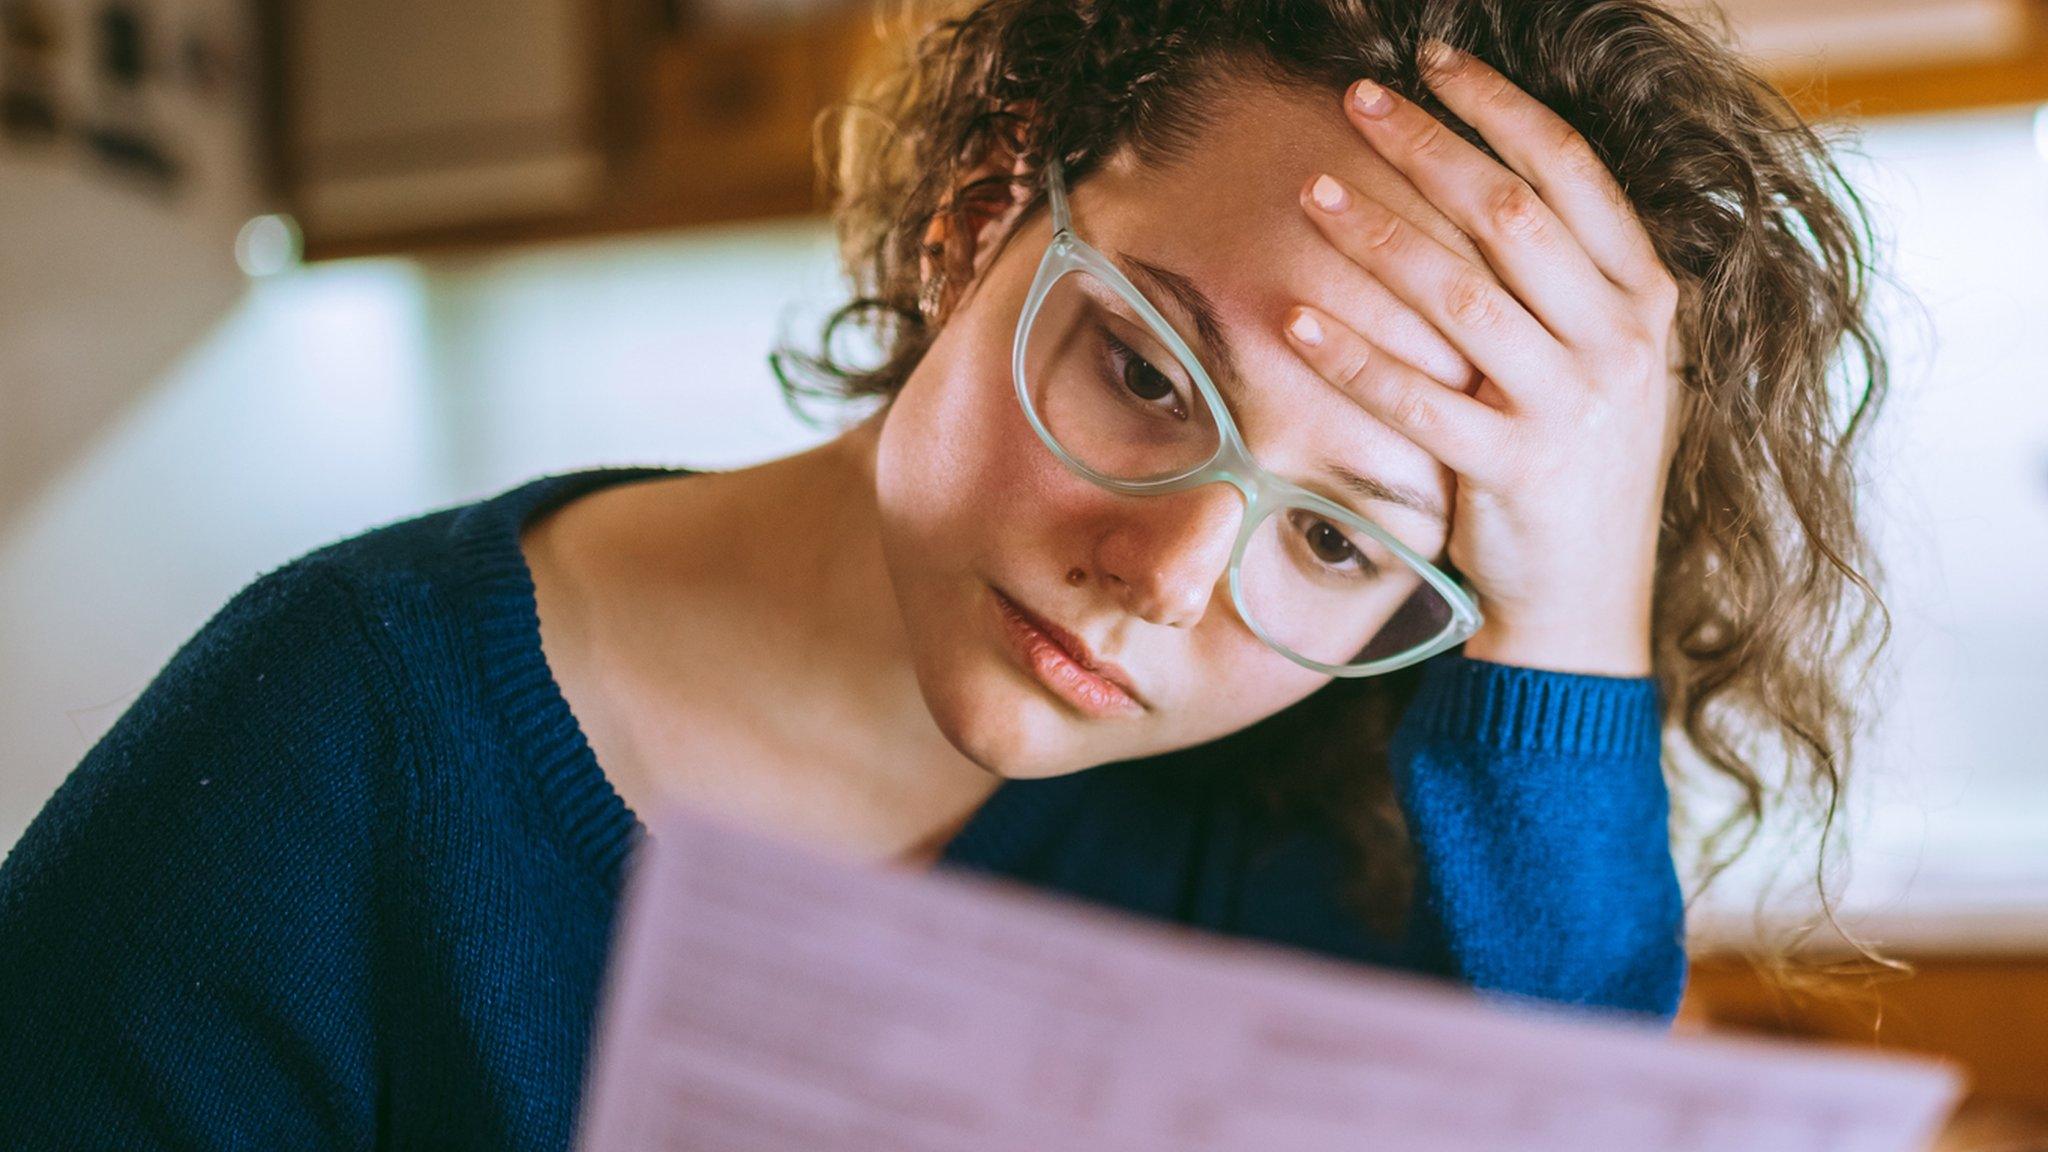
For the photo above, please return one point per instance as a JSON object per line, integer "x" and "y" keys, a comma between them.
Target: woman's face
{"x": 972, "y": 501}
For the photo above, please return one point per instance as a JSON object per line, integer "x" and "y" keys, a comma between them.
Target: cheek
{"x": 963, "y": 483}
{"x": 1241, "y": 681}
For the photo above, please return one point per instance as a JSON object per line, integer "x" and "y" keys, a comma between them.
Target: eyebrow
{"x": 1195, "y": 305}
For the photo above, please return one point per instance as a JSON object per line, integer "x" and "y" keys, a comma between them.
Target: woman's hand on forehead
{"x": 1561, "y": 451}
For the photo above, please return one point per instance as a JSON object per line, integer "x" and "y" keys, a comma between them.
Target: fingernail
{"x": 1438, "y": 56}
{"x": 1371, "y": 99}
{"x": 1305, "y": 329}
{"x": 1328, "y": 194}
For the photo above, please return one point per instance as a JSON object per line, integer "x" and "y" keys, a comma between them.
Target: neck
{"x": 829, "y": 667}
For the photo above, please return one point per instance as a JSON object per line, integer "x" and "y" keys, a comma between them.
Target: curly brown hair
{"x": 1760, "y": 598}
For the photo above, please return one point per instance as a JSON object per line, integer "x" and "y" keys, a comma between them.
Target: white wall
{"x": 104, "y": 282}
{"x": 1951, "y": 795}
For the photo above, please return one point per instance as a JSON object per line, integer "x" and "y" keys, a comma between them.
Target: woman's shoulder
{"x": 451, "y": 553}
{"x": 341, "y": 656}
{"x": 289, "y": 687}
{"x": 321, "y": 685}
{"x": 389, "y": 606}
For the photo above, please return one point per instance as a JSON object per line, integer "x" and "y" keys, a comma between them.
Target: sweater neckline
{"x": 598, "y": 829}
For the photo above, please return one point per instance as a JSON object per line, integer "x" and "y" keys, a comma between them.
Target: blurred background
{"x": 274, "y": 272}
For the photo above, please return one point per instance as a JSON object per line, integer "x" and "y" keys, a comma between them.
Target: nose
{"x": 1165, "y": 556}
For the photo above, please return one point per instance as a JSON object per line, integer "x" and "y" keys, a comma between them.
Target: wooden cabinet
{"x": 1913, "y": 56}
{"x": 404, "y": 125}
{"x": 1987, "y": 1014}
{"x": 403, "y": 115}
{"x": 731, "y": 134}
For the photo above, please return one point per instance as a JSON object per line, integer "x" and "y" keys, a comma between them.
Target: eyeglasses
{"x": 1322, "y": 585}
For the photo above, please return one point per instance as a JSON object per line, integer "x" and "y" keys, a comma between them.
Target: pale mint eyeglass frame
{"x": 1264, "y": 492}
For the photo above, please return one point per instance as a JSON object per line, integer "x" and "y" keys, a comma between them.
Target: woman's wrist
{"x": 1563, "y": 647}
{"x": 1510, "y": 708}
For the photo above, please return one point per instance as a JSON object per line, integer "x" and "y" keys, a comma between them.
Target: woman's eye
{"x": 1330, "y": 547}
{"x": 1144, "y": 383}
{"x": 1147, "y": 382}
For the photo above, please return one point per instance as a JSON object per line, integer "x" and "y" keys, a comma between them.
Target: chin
{"x": 992, "y": 711}
{"x": 1003, "y": 723}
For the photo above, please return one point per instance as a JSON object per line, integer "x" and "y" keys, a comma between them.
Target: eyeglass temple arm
{"x": 1056, "y": 192}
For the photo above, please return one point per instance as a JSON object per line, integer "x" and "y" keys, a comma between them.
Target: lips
{"x": 1076, "y": 649}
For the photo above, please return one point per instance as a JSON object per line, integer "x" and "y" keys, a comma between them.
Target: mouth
{"x": 1065, "y": 662}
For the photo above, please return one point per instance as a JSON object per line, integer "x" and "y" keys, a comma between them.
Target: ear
{"x": 984, "y": 218}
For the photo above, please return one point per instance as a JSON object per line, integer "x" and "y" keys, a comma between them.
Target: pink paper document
{"x": 768, "y": 997}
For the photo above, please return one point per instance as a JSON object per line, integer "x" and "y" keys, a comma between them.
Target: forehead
{"x": 1240, "y": 186}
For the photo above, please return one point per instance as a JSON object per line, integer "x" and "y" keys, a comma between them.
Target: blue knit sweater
{"x": 344, "y": 875}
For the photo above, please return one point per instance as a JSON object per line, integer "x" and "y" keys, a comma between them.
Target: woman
{"x": 344, "y": 875}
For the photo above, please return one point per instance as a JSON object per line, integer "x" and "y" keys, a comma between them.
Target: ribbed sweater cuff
{"x": 1537, "y": 710}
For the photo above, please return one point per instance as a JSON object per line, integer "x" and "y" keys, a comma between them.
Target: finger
{"x": 1559, "y": 163}
{"x": 1462, "y": 432}
{"x": 1473, "y": 310}
{"x": 1363, "y": 304}
{"x": 1531, "y": 249}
